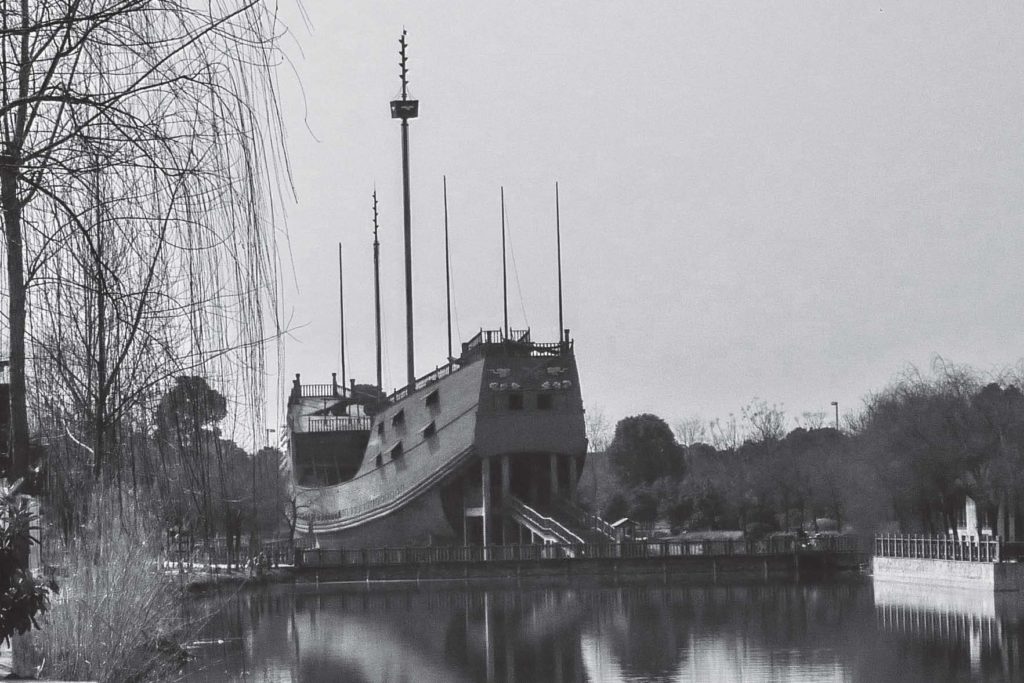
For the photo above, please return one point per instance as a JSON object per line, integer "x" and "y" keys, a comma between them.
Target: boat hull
{"x": 503, "y": 418}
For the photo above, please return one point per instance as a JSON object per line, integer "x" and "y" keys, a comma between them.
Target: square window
{"x": 380, "y": 429}
{"x": 379, "y": 460}
{"x": 545, "y": 401}
{"x": 398, "y": 418}
{"x": 433, "y": 398}
{"x": 430, "y": 430}
{"x": 515, "y": 401}
{"x": 397, "y": 452}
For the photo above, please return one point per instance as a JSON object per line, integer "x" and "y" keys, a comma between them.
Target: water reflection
{"x": 977, "y": 633}
{"x": 827, "y": 632}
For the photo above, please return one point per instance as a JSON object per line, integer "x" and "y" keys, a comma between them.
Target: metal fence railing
{"x": 970, "y": 549}
{"x": 376, "y": 557}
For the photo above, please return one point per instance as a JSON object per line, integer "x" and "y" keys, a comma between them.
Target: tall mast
{"x": 376, "y": 289}
{"x": 406, "y": 109}
{"x": 504, "y": 270}
{"x": 341, "y": 306}
{"x": 447, "y": 269}
{"x": 558, "y": 242}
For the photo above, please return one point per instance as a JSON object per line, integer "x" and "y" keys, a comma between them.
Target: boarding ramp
{"x": 545, "y": 527}
{"x": 583, "y": 523}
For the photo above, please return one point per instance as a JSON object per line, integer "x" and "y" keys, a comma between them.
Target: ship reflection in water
{"x": 823, "y": 632}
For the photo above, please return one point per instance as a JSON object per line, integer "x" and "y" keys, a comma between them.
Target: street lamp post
{"x": 835, "y": 404}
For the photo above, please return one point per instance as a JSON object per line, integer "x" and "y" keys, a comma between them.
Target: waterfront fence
{"x": 378, "y": 557}
{"x": 969, "y": 549}
{"x": 184, "y": 550}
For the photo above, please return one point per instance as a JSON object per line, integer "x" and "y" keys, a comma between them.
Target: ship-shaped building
{"x": 484, "y": 450}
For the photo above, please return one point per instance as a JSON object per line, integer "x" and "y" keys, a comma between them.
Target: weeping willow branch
{"x": 141, "y": 164}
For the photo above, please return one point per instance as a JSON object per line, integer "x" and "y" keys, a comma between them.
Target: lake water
{"x": 845, "y": 630}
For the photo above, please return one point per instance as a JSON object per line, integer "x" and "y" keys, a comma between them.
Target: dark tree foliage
{"x": 617, "y": 508}
{"x": 918, "y": 449}
{"x": 934, "y": 441}
{"x": 644, "y": 449}
{"x": 189, "y": 407}
{"x": 22, "y": 596}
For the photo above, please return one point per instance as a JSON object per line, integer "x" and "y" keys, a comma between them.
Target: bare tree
{"x": 725, "y": 435}
{"x": 691, "y": 430}
{"x": 810, "y": 420}
{"x": 767, "y": 422}
{"x": 137, "y": 145}
{"x": 598, "y": 430}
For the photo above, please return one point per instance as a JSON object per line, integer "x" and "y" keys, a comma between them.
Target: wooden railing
{"x": 521, "y": 337}
{"x": 340, "y": 423}
{"x": 986, "y": 549}
{"x": 374, "y": 557}
{"x": 318, "y": 390}
{"x": 425, "y": 381}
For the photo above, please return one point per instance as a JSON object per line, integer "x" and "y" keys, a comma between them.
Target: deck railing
{"x": 519, "y": 335}
{"x": 337, "y": 423}
{"x": 318, "y": 390}
{"x": 425, "y": 381}
{"x": 375, "y": 557}
{"x": 985, "y": 549}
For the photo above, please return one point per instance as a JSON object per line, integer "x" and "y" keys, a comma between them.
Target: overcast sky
{"x": 789, "y": 200}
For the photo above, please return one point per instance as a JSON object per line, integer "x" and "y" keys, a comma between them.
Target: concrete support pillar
{"x": 506, "y": 532}
{"x": 466, "y": 492}
{"x": 572, "y": 478}
{"x": 485, "y": 496}
{"x": 534, "y": 477}
{"x": 553, "y": 460}
{"x": 1011, "y": 532}
{"x": 505, "y": 477}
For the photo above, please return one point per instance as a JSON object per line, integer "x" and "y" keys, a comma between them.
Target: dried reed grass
{"x": 118, "y": 616}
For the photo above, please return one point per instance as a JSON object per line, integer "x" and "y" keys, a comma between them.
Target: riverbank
{"x": 694, "y": 570}
{"x": 201, "y": 579}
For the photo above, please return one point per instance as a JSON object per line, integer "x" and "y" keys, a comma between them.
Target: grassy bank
{"x": 118, "y": 617}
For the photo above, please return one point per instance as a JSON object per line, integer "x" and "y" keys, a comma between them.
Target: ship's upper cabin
{"x": 353, "y": 404}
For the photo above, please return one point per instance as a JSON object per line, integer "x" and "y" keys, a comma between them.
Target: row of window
{"x": 432, "y": 399}
{"x": 516, "y": 400}
{"x": 395, "y": 453}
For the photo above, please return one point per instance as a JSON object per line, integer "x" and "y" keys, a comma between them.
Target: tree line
{"x": 906, "y": 461}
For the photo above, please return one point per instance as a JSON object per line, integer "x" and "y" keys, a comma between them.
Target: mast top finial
{"x": 375, "y": 215}
{"x": 402, "y": 63}
{"x": 404, "y": 108}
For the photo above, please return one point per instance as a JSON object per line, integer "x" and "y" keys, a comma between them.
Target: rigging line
{"x": 515, "y": 270}
{"x": 455, "y": 308}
